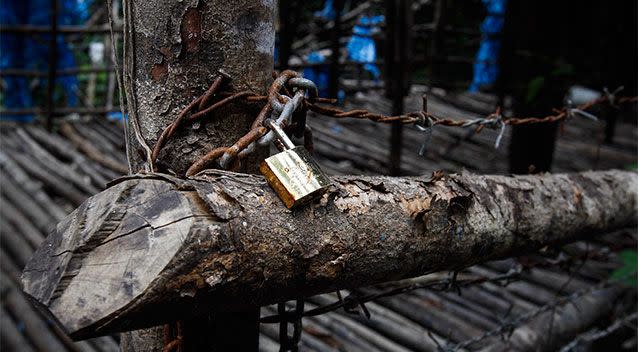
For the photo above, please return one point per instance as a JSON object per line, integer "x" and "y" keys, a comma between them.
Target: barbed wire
{"x": 597, "y": 334}
{"x": 290, "y": 96}
{"x": 280, "y": 107}
{"x": 507, "y": 327}
{"x": 357, "y": 299}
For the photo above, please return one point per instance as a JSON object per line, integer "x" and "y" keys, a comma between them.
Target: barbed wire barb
{"x": 611, "y": 97}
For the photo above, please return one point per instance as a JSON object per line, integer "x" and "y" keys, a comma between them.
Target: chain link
{"x": 294, "y": 317}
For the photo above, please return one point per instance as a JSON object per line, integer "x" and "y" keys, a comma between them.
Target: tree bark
{"x": 173, "y": 51}
{"x": 155, "y": 248}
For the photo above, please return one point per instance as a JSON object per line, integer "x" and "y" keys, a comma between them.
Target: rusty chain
{"x": 293, "y": 316}
{"x": 173, "y": 337}
{"x": 290, "y": 96}
{"x": 279, "y": 107}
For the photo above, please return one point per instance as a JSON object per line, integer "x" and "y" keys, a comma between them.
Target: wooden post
{"x": 286, "y": 33}
{"x": 173, "y": 52}
{"x": 109, "y": 58}
{"x": 531, "y": 148}
{"x": 397, "y": 57}
{"x": 438, "y": 22}
{"x": 333, "y": 84}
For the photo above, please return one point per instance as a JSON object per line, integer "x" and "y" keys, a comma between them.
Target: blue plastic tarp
{"x": 318, "y": 74}
{"x": 18, "y": 51}
{"x": 486, "y": 67}
{"x": 361, "y": 47}
{"x": 328, "y": 12}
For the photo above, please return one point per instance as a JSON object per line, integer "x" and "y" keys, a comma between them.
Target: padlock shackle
{"x": 281, "y": 135}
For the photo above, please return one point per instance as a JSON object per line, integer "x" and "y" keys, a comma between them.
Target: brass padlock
{"x": 293, "y": 173}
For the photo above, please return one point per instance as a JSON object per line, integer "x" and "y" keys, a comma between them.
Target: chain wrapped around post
{"x": 280, "y": 107}
{"x": 173, "y": 337}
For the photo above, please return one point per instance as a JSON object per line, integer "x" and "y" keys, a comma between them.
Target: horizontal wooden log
{"x": 26, "y": 204}
{"x": 155, "y": 248}
{"x": 34, "y": 327}
{"x": 12, "y": 338}
{"x": 9, "y": 170}
{"x": 390, "y": 324}
{"x": 64, "y": 150}
{"x": 551, "y": 329}
{"x": 91, "y": 150}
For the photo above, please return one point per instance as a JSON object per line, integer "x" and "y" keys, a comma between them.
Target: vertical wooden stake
{"x": 333, "y": 84}
{"x": 397, "y": 70}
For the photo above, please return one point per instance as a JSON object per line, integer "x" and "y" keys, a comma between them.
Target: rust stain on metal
{"x": 191, "y": 30}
